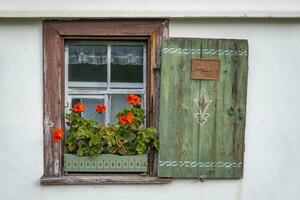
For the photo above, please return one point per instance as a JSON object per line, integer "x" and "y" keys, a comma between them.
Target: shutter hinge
{"x": 156, "y": 67}
{"x": 48, "y": 123}
{"x": 204, "y": 176}
{"x": 55, "y": 167}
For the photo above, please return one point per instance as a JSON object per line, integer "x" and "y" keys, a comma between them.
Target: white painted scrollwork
{"x": 219, "y": 52}
{"x": 202, "y": 102}
{"x": 197, "y": 164}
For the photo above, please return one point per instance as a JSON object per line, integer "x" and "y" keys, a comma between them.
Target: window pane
{"x": 87, "y": 63}
{"x": 118, "y": 104}
{"x": 90, "y": 112}
{"x": 127, "y": 63}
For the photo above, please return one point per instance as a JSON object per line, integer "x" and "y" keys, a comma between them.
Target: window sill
{"x": 103, "y": 179}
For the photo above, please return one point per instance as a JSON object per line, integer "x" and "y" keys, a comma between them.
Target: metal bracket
{"x": 204, "y": 176}
{"x": 156, "y": 67}
{"x": 240, "y": 114}
{"x": 48, "y": 123}
{"x": 55, "y": 167}
{"x": 231, "y": 111}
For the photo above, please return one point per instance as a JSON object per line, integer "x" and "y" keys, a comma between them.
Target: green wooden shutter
{"x": 202, "y": 122}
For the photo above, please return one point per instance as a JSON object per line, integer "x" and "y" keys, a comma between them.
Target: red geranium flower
{"x": 79, "y": 107}
{"x": 56, "y": 139}
{"x": 134, "y": 100}
{"x": 58, "y": 134}
{"x": 101, "y": 108}
{"x": 123, "y": 120}
{"x": 130, "y": 118}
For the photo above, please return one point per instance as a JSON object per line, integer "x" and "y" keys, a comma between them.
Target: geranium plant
{"x": 87, "y": 137}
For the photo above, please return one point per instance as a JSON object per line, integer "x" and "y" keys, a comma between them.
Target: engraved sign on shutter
{"x": 208, "y": 69}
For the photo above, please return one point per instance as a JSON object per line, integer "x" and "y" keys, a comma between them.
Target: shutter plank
{"x": 226, "y": 122}
{"x": 214, "y": 147}
{"x": 196, "y": 136}
{"x": 207, "y": 134}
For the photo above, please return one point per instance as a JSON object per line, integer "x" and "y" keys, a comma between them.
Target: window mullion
{"x": 108, "y": 65}
{"x": 66, "y": 78}
{"x": 107, "y": 97}
{"x": 144, "y": 67}
{"x": 107, "y": 113}
{"x": 145, "y": 78}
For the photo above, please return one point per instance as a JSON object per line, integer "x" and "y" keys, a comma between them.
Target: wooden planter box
{"x": 105, "y": 163}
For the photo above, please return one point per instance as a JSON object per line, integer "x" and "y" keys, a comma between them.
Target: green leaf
{"x": 156, "y": 144}
{"x": 86, "y": 137}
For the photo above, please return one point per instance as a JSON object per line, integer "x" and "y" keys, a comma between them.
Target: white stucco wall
{"x": 149, "y": 5}
{"x": 272, "y": 132}
{"x": 146, "y": 8}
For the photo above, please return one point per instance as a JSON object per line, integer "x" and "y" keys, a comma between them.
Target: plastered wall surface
{"x": 152, "y": 9}
{"x": 144, "y": 5}
{"x": 272, "y": 131}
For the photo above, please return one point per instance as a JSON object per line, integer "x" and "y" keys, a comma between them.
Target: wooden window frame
{"x": 54, "y": 35}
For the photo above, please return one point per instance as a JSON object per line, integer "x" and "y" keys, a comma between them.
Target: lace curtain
{"x": 97, "y": 55}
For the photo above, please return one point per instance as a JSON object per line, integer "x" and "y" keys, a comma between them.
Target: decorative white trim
{"x": 199, "y": 164}
{"x": 219, "y": 52}
{"x": 202, "y": 102}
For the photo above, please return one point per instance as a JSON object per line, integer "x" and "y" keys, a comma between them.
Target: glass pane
{"x": 90, "y": 112}
{"x": 87, "y": 63}
{"x": 118, "y": 104}
{"x": 127, "y": 63}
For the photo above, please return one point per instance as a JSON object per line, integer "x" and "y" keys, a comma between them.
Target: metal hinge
{"x": 55, "y": 167}
{"x": 48, "y": 123}
{"x": 156, "y": 67}
{"x": 204, "y": 176}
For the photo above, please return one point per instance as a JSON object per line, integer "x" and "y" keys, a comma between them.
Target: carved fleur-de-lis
{"x": 202, "y": 102}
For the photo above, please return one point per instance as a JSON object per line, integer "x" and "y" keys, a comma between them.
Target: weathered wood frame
{"x": 54, "y": 35}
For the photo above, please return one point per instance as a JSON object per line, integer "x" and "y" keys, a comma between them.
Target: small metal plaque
{"x": 205, "y": 69}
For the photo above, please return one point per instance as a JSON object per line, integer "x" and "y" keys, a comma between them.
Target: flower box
{"x": 105, "y": 163}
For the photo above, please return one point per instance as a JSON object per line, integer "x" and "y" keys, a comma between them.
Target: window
{"x": 92, "y": 61}
{"x": 104, "y": 72}
{"x": 201, "y": 120}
